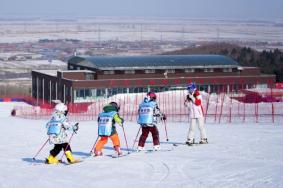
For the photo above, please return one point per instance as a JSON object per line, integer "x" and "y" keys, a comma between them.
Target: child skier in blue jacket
{"x": 148, "y": 114}
{"x": 107, "y": 129}
{"x": 57, "y": 131}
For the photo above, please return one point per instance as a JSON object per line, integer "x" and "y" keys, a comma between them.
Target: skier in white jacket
{"x": 57, "y": 128}
{"x": 194, "y": 103}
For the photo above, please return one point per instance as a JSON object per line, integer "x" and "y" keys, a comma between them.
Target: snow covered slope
{"x": 237, "y": 155}
{"x": 6, "y": 108}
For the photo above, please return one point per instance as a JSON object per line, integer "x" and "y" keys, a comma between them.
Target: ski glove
{"x": 191, "y": 97}
{"x": 164, "y": 117}
{"x": 122, "y": 121}
{"x": 76, "y": 127}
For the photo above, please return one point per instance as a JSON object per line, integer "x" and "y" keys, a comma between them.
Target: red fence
{"x": 218, "y": 108}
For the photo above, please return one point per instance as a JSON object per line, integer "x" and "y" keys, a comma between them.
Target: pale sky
{"x": 214, "y": 9}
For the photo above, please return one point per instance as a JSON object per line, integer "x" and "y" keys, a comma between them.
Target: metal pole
{"x": 136, "y": 138}
{"x": 125, "y": 139}
{"x": 165, "y": 126}
{"x": 94, "y": 145}
{"x": 40, "y": 149}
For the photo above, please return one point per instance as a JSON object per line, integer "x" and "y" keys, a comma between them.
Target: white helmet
{"x": 61, "y": 108}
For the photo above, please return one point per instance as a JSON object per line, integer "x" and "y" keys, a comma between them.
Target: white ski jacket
{"x": 62, "y": 137}
{"x": 195, "y": 105}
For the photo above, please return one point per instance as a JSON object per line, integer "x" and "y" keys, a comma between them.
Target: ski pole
{"x": 125, "y": 139}
{"x": 164, "y": 122}
{"x": 41, "y": 148}
{"x": 94, "y": 144}
{"x": 65, "y": 149}
{"x": 136, "y": 138}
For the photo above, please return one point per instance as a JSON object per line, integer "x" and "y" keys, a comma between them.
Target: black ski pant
{"x": 58, "y": 147}
{"x": 145, "y": 132}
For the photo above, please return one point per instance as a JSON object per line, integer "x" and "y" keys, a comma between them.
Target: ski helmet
{"x": 151, "y": 95}
{"x": 115, "y": 105}
{"x": 191, "y": 87}
{"x": 61, "y": 108}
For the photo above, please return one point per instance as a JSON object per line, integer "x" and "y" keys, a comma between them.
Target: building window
{"x": 109, "y": 72}
{"x": 53, "y": 88}
{"x": 129, "y": 71}
{"x": 148, "y": 71}
{"x": 89, "y": 76}
{"x": 208, "y": 70}
{"x": 189, "y": 70}
{"x": 78, "y": 68}
{"x": 227, "y": 70}
{"x": 171, "y": 71}
{"x": 71, "y": 67}
{"x": 101, "y": 92}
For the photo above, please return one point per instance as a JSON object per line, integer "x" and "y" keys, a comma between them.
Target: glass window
{"x": 132, "y": 90}
{"x": 227, "y": 70}
{"x": 170, "y": 70}
{"x": 120, "y": 90}
{"x": 142, "y": 90}
{"x": 89, "y": 76}
{"x": 203, "y": 88}
{"x": 109, "y": 72}
{"x": 129, "y": 71}
{"x": 100, "y": 92}
{"x": 148, "y": 71}
{"x": 189, "y": 70}
{"x": 208, "y": 70}
{"x": 53, "y": 88}
{"x": 81, "y": 93}
{"x": 87, "y": 93}
{"x": 112, "y": 91}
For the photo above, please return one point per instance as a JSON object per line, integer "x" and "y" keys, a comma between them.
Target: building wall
{"x": 47, "y": 88}
{"x": 120, "y": 74}
{"x": 171, "y": 81}
{"x": 161, "y": 74}
{"x": 79, "y": 75}
{"x": 70, "y": 85}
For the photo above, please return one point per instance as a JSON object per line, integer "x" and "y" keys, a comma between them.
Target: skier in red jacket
{"x": 194, "y": 103}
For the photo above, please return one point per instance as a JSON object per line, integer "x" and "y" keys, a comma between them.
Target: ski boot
{"x": 70, "y": 157}
{"x": 156, "y": 147}
{"x": 118, "y": 150}
{"x": 51, "y": 160}
{"x": 140, "y": 149}
{"x": 203, "y": 141}
{"x": 97, "y": 153}
{"x": 190, "y": 142}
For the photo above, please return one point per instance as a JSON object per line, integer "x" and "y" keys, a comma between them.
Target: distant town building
{"x": 89, "y": 78}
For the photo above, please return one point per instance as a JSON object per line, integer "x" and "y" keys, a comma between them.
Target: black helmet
{"x": 115, "y": 105}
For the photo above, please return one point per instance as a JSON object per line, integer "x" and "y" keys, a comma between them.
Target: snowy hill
{"x": 238, "y": 155}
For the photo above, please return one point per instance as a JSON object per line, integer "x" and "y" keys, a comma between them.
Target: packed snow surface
{"x": 238, "y": 155}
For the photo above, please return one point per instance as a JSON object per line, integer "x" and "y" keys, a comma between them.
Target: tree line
{"x": 269, "y": 61}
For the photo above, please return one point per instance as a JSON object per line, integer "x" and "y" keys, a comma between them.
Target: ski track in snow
{"x": 237, "y": 155}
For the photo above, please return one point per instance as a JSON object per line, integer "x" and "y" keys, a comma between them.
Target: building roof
{"x": 52, "y": 73}
{"x": 153, "y": 62}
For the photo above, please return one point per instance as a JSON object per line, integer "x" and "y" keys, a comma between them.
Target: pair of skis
{"x": 139, "y": 152}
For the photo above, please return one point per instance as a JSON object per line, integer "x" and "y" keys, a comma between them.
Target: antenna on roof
{"x": 218, "y": 35}
{"x": 141, "y": 33}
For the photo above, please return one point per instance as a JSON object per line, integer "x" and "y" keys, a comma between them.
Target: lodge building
{"x": 89, "y": 78}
